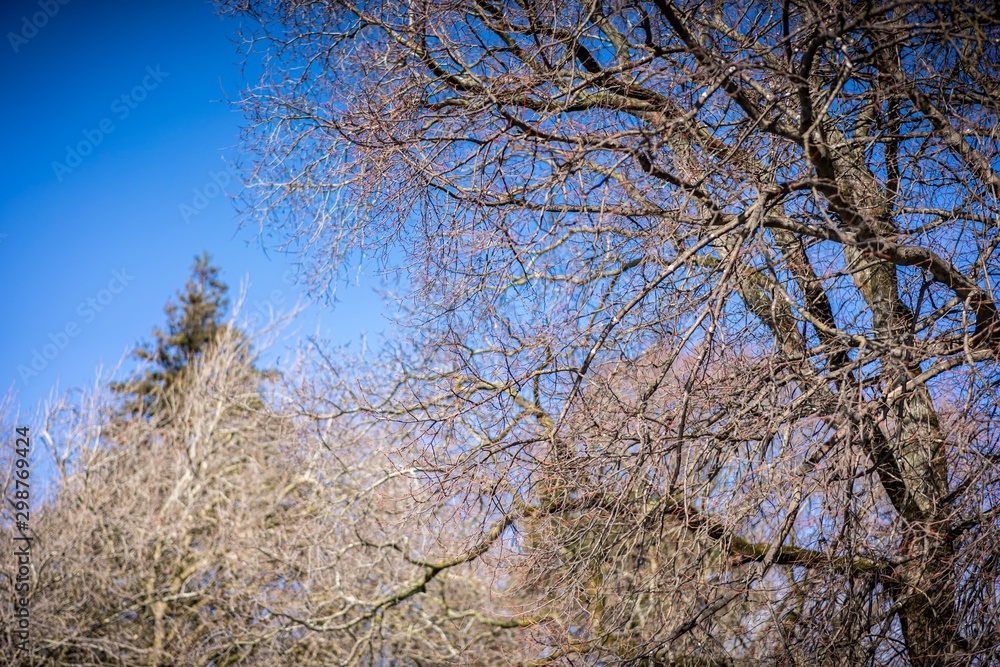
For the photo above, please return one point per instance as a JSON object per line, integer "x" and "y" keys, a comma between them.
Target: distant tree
{"x": 194, "y": 321}
{"x": 202, "y": 536}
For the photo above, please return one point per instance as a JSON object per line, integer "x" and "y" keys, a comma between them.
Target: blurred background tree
{"x": 195, "y": 318}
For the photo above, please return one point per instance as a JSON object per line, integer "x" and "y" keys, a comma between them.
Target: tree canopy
{"x": 703, "y": 295}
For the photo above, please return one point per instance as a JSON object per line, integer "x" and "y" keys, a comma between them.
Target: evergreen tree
{"x": 194, "y": 320}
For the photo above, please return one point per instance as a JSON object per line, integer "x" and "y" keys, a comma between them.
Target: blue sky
{"x": 117, "y": 134}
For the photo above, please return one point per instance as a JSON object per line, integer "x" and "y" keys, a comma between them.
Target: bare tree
{"x": 219, "y": 529}
{"x": 702, "y": 302}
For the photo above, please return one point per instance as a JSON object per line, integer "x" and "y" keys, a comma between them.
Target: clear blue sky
{"x": 67, "y": 228}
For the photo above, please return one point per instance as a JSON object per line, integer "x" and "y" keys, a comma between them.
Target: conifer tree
{"x": 194, "y": 321}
